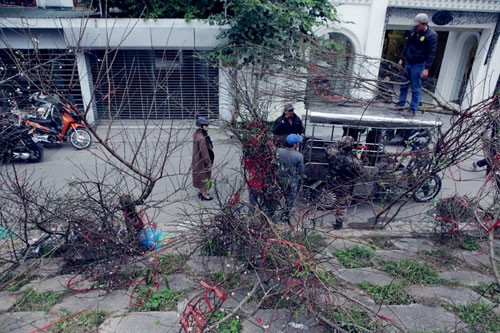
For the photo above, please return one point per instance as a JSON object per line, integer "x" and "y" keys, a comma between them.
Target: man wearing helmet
{"x": 345, "y": 169}
{"x": 203, "y": 159}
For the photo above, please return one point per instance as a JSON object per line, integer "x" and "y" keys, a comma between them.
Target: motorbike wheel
{"x": 36, "y": 154}
{"x": 428, "y": 189}
{"x": 322, "y": 196}
{"x": 80, "y": 138}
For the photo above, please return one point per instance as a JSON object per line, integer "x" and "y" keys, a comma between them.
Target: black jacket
{"x": 283, "y": 127}
{"x": 420, "y": 47}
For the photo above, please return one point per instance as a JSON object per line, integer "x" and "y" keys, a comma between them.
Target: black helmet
{"x": 201, "y": 121}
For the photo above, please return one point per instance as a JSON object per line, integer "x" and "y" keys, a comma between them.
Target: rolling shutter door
{"x": 159, "y": 84}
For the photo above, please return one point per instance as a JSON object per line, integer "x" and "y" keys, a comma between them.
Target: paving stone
{"x": 211, "y": 264}
{"x": 23, "y": 322}
{"x": 454, "y": 295}
{"x": 180, "y": 282}
{"x": 421, "y": 318}
{"x": 368, "y": 274}
{"x": 150, "y": 322}
{"x": 7, "y": 300}
{"x": 235, "y": 299}
{"x": 280, "y": 320}
{"x": 466, "y": 277}
{"x": 414, "y": 245}
{"x": 473, "y": 258}
{"x": 390, "y": 255}
{"x": 57, "y": 283}
{"x": 115, "y": 301}
{"x": 41, "y": 267}
{"x": 342, "y": 243}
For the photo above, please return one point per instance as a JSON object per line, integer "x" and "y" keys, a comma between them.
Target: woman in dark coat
{"x": 203, "y": 159}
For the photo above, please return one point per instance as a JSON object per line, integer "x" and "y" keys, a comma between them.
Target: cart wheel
{"x": 322, "y": 196}
{"x": 428, "y": 189}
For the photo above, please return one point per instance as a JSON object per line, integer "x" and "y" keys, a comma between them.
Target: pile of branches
{"x": 88, "y": 227}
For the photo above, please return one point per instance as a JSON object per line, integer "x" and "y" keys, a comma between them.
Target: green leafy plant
{"x": 14, "y": 283}
{"x": 87, "y": 321}
{"x": 209, "y": 183}
{"x": 441, "y": 257}
{"x": 354, "y": 319}
{"x": 466, "y": 242}
{"x": 312, "y": 241}
{"x": 228, "y": 280}
{"x": 393, "y": 293}
{"x": 489, "y": 290}
{"x": 269, "y": 24}
{"x": 150, "y": 300}
{"x": 32, "y": 300}
{"x": 171, "y": 263}
{"x": 381, "y": 242}
{"x": 480, "y": 316}
{"x": 232, "y": 325}
{"x": 412, "y": 271}
{"x": 355, "y": 257}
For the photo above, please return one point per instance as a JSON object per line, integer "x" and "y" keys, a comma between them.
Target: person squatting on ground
{"x": 288, "y": 123}
{"x": 417, "y": 57}
{"x": 203, "y": 159}
{"x": 260, "y": 194}
{"x": 345, "y": 170}
{"x": 291, "y": 171}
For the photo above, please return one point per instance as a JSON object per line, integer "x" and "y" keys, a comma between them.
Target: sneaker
{"x": 399, "y": 106}
{"x": 409, "y": 113}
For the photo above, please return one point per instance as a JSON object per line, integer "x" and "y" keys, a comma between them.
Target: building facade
{"x": 132, "y": 68}
{"x": 467, "y": 64}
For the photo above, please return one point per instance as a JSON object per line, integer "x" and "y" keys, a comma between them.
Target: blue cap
{"x": 292, "y": 139}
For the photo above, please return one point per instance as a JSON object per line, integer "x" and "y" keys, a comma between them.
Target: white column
{"x": 447, "y": 73}
{"x": 484, "y": 77}
{"x": 85, "y": 85}
{"x": 374, "y": 43}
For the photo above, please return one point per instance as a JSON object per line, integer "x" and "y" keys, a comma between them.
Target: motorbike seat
{"x": 41, "y": 121}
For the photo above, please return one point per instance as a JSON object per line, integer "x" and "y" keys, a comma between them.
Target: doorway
{"x": 464, "y": 68}
{"x": 394, "y": 41}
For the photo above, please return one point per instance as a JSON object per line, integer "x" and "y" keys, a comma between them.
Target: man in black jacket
{"x": 288, "y": 123}
{"x": 417, "y": 57}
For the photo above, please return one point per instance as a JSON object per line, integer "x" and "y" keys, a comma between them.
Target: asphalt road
{"x": 176, "y": 200}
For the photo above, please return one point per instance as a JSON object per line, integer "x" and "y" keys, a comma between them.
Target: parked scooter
{"x": 16, "y": 144}
{"x": 53, "y": 129}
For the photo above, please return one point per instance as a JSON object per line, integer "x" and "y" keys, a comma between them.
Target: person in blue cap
{"x": 291, "y": 170}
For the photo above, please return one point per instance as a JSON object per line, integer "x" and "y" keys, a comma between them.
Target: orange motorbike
{"x": 68, "y": 126}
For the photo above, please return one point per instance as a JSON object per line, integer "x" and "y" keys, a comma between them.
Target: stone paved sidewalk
{"x": 457, "y": 285}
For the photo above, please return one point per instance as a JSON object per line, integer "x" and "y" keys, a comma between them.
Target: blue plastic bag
{"x": 150, "y": 238}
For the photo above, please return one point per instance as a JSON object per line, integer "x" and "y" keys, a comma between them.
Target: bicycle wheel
{"x": 428, "y": 189}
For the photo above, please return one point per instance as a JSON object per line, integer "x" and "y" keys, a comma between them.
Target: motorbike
{"x": 52, "y": 129}
{"x": 17, "y": 144}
